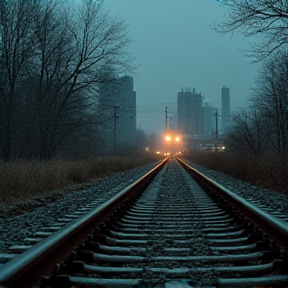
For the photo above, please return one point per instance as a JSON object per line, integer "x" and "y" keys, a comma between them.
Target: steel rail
{"x": 276, "y": 228}
{"x": 24, "y": 269}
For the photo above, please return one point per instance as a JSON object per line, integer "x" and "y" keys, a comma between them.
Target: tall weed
{"x": 22, "y": 179}
{"x": 267, "y": 171}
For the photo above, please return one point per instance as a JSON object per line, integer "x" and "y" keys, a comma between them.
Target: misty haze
{"x": 107, "y": 107}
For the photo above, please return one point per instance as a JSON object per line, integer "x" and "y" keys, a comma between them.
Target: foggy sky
{"x": 175, "y": 47}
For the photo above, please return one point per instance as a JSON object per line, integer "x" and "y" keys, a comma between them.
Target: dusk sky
{"x": 175, "y": 47}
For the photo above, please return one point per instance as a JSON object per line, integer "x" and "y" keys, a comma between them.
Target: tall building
{"x": 207, "y": 118}
{"x": 189, "y": 106}
{"x": 117, "y": 112}
{"x": 225, "y": 108}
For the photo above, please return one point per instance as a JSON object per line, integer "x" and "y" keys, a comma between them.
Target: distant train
{"x": 172, "y": 142}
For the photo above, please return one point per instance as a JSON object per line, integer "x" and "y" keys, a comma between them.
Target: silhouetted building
{"x": 117, "y": 112}
{"x": 225, "y": 108}
{"x": 189, "y": 106}
{"x": 207, "y": 119}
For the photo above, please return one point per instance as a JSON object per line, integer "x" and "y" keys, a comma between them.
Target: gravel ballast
{"x": 270, "y": 201}
{"x": 15, "y": 228}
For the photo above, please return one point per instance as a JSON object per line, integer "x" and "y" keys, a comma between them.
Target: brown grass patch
{"x": 268, "y": 171}
{"x": 20, "y": 180}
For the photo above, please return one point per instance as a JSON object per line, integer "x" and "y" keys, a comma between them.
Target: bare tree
{"x": 271, "y": 99}
{"x": 55, "y": 57}
{"x": 98, "y": 50}
{"x": 245, "y": 133}
{"x": 267, "y": 18}
{"x": 263, "y": 128}
{"x": 16, "y": 21}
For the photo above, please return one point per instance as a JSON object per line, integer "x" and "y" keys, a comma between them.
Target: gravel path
{"x": 174, "y": 230}
{"x": 270, "y": 201}
{"x": 14, "y": 229}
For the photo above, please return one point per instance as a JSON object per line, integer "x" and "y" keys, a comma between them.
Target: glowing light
{"x": 177, "y": 139}
{"x": 158, "y": 152}
{"x": 168, "y": 138}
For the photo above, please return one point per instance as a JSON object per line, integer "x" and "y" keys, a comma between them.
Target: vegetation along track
{"x": 177, "y": 228}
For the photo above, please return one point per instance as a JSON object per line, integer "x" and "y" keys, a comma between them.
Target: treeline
{"x": 53, "y": 57}
{"x": 262, "y": 128}
{"x": 258, "y": 136}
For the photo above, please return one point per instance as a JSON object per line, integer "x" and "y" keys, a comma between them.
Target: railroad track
{"x": 174, "y": 229}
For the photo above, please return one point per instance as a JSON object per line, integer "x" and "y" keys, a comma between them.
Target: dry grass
{"x": 20, "y": 180}
{"x": 267, "y": 172}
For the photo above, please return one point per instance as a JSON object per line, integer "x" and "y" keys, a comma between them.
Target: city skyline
{"x": 175, "y": 46}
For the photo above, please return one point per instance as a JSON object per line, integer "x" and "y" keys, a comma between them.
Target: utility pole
{"x": 216, "y": 132}
{"x": 115, "y": 129}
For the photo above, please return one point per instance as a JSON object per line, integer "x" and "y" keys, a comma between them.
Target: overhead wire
{"x": 154, "y": 107}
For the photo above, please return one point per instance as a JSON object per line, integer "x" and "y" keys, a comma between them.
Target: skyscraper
{"x": 207, "y": 118}
{"x": 189, "y": 106}
{"x": 117, "y": 111}
{"x": 225, "y": 108}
